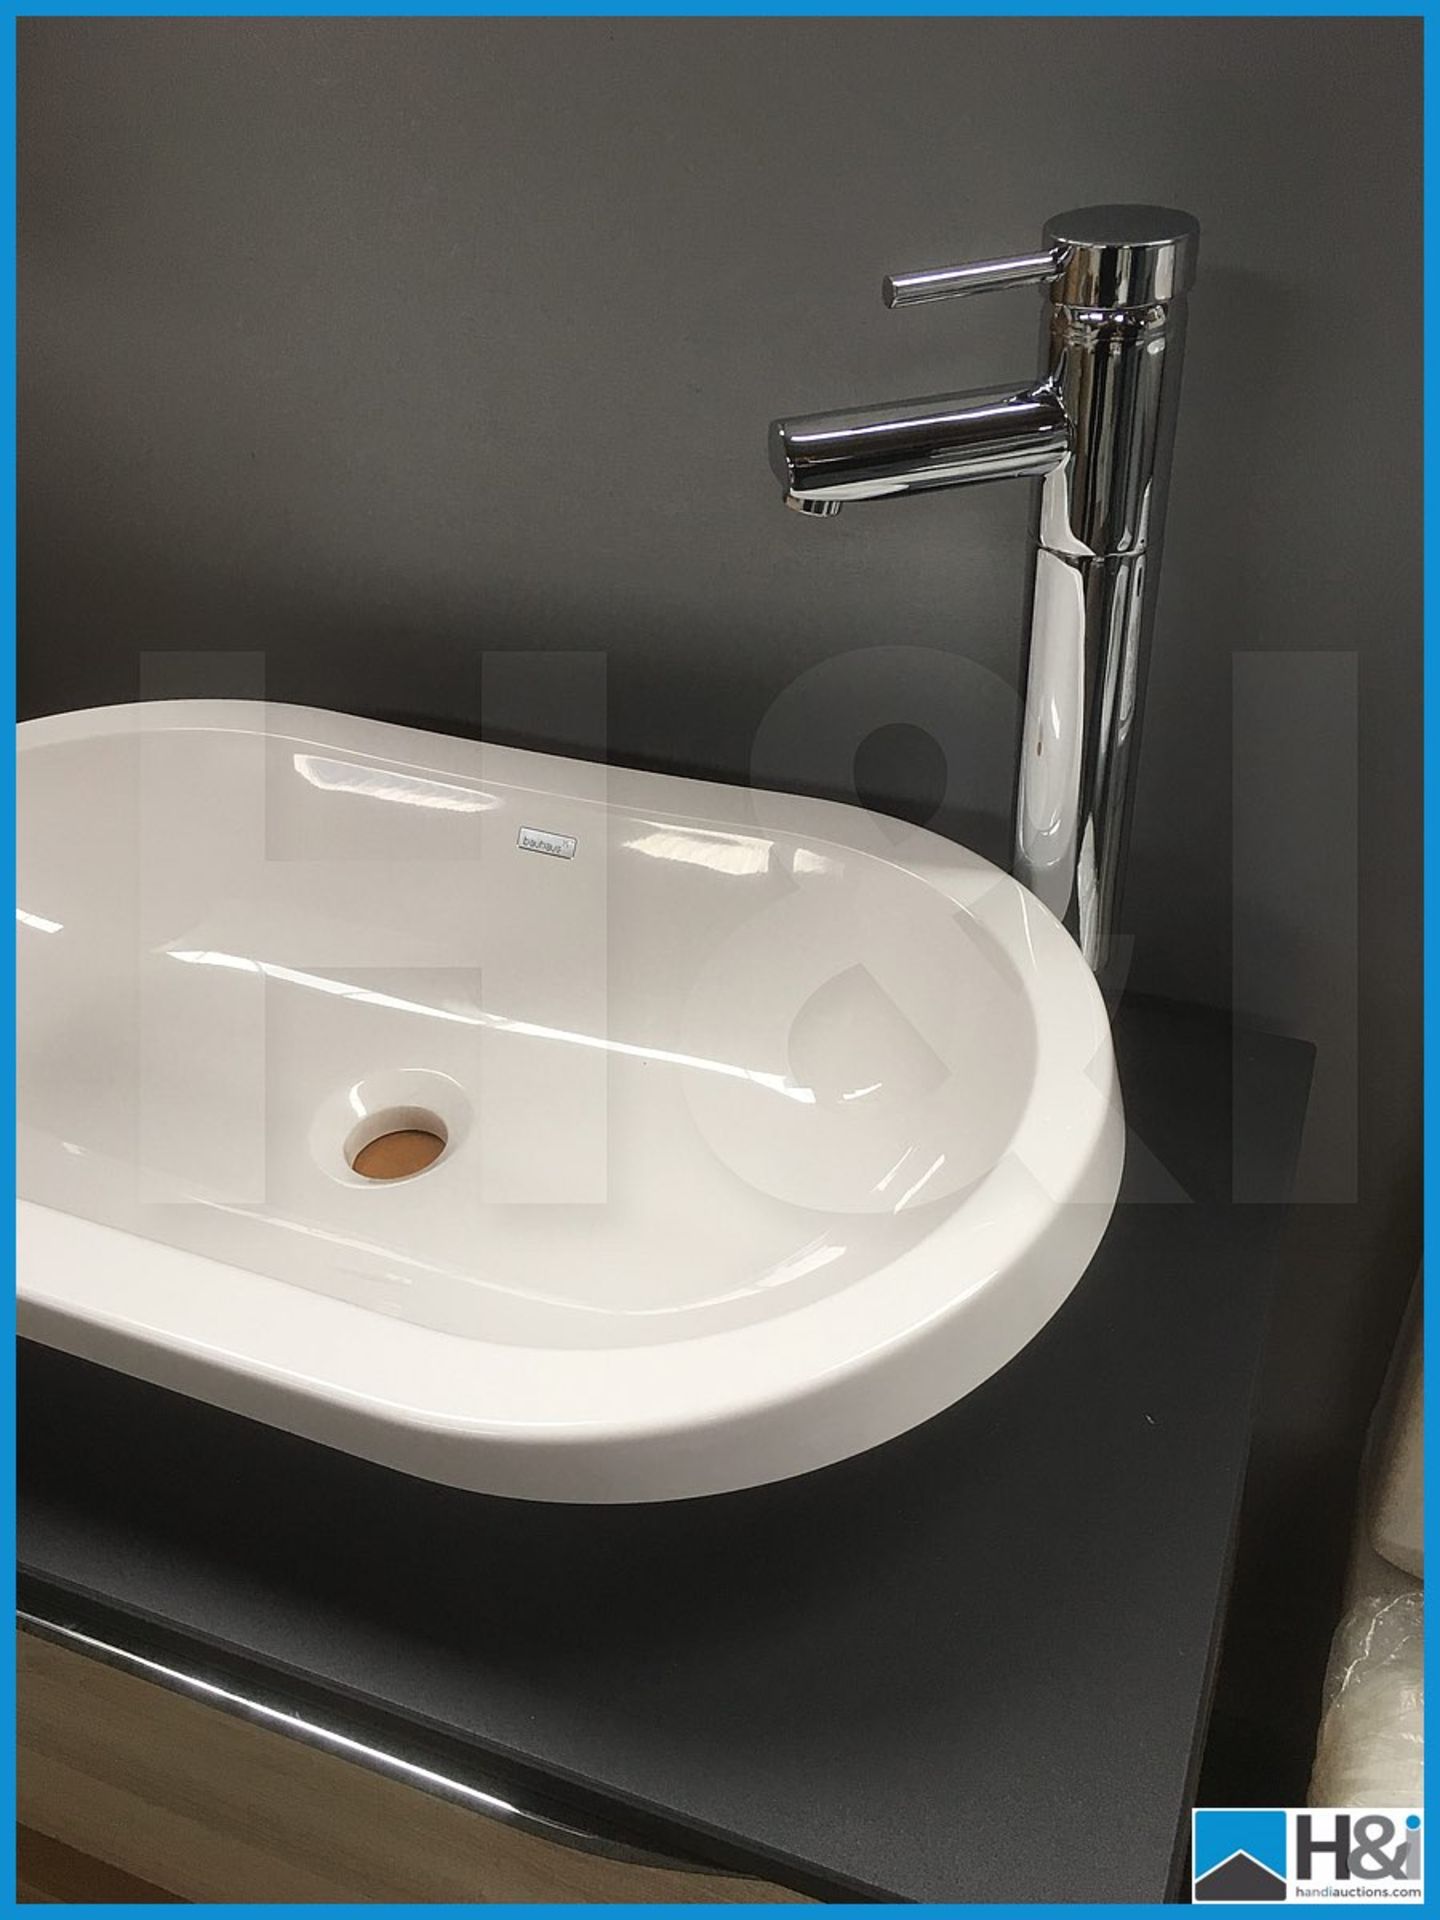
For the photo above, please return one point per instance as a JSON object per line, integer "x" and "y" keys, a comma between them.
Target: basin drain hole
{"x": 396, "y": 1144}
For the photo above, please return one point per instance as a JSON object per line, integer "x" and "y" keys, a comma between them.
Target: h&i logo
{"x": 1249, "y": 1854}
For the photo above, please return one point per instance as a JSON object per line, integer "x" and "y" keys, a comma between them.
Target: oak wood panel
{"x": 47, "y": 1870}
{"x": 215, "y": 1808}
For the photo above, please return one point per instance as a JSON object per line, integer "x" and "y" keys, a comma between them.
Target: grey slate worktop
{"x": 971, "y": 1665}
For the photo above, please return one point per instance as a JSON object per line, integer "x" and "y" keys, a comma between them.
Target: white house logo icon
{"x": 1241, "y": 1854}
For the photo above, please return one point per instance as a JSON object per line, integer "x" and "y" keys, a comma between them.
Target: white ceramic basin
{"x": 772, "y": 1127}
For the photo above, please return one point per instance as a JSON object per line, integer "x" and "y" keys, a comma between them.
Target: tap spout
{"x": 950, "y": 440}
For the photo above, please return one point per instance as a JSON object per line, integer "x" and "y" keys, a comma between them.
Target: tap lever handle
{"x": 980, "y": 276}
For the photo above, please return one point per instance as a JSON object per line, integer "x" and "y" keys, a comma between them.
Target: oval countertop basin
{"x": 751, "y": 1130}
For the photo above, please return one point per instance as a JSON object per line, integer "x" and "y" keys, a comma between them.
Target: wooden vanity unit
{"x": 129, "y": 1791}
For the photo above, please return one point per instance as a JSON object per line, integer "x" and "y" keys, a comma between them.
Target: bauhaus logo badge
{"x": 1242, "y": 1855}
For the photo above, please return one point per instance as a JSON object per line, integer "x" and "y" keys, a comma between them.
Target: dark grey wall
{"x": 377, "y": 345}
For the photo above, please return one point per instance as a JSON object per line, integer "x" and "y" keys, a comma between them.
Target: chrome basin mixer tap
{"x": 1096, "y": 430}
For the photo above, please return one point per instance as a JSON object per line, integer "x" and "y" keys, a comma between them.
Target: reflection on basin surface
{"x": 759, "y": 1128}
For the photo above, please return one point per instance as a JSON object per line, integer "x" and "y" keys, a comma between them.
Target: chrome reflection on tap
{"x": 951, "y": 440}
{"x": 1097, "y": 430}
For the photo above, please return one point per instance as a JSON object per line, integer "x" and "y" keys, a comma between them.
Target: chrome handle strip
{"x": 359, "y": 1752}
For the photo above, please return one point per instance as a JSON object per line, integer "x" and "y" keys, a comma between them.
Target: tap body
{"x": 1096, "y": 429}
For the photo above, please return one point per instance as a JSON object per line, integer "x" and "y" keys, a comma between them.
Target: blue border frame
{"x": 739, "y": 9}
{"x": 744, "y": 9}
{"x": 7, "y": 1360}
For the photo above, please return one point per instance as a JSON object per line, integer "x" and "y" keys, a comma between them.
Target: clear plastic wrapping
{"x": 1371, "y": 1751}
